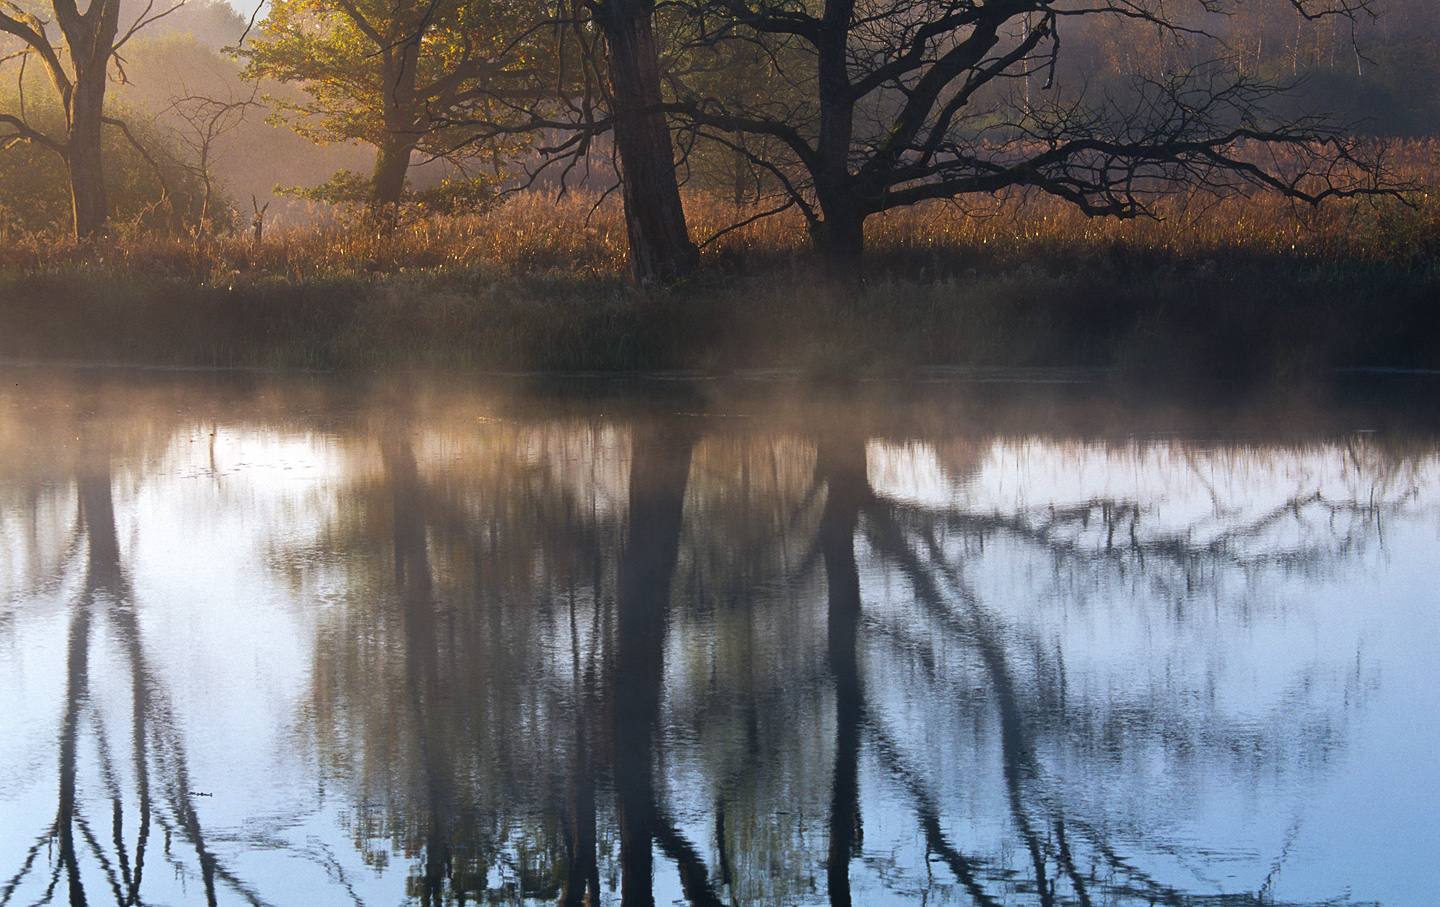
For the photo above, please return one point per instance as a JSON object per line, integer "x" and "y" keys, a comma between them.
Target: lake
{"x": 972, "y": 639}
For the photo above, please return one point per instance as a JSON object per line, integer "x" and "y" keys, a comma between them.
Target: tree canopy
{"x": 405, "y": 78}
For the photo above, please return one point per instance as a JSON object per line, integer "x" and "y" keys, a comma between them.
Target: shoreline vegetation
{"x": 1244, "y": 288}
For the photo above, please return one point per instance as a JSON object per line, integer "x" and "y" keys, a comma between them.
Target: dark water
{"x": 296, "y": 642}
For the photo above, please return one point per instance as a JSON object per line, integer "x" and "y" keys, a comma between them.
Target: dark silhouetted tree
{"x": 897, "y": 102}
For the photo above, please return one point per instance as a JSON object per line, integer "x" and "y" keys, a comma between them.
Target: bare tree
{"x": 91, "y": 41}
{"x": 208, "y": 120}
{"x": 894, "y": 102}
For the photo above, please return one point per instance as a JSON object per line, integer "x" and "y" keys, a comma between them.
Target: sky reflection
{"x": 266, "y": 646}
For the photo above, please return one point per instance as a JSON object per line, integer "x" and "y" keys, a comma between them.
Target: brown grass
{"x": 583, "y": 235}
{"x": 1240, "y": 285}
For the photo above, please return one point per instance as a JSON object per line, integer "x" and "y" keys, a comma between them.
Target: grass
{"x": 1248, "y": 287}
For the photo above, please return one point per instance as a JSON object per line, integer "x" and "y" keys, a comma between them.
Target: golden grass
{"x": 1246, "y": 285}
{"x": 584, "y": 236}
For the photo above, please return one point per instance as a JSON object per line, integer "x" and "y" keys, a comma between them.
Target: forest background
{"x": 251, "y": 171}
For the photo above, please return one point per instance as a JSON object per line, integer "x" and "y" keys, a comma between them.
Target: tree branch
{"x": 144, "y": 153}
{"x": 25, "y": 133}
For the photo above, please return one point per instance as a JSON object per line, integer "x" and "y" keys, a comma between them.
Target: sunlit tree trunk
{"x": 90, "y": 39}
{"x": 660, "y": 246}
{"x": 392, "y": 164}
{"x": 400, "y": 110}
{"x": 84, "y": 160}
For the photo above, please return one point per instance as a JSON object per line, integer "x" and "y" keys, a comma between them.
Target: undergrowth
{"x": 1239, "y": 287}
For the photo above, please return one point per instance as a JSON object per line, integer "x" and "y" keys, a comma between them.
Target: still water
{"x": 302, "y": 642}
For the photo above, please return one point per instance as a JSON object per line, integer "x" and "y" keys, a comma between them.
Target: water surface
{"x": 298, "y": 641}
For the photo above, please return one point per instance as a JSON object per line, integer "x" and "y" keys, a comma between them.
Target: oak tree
{"x": 903, "y": 101}
{"x": 403, "y": 77}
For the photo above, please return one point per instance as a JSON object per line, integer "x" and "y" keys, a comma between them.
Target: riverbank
{"x": 1246, "y": 290}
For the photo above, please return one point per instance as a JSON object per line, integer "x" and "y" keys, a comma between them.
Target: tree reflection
{"x": 477, "y": 740}
{"x": 644, "y": 658}
{"x": 143, "y": 783}
{"x": 659, "y": 472}
{"x": 414, "y": 585}
{"x": 1033, "y": 714}
{"x": 840, "y": 464}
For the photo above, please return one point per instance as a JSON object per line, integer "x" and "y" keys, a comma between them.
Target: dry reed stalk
{"x": 584, "y": 235}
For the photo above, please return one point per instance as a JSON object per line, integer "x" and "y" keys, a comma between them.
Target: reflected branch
{"x": 7, "y": 892}
{"x": 928, "y": 812}
{"x": 1018, "y": 752}
{"x": 106, "y": 593}
{"x": 694, "y": 875}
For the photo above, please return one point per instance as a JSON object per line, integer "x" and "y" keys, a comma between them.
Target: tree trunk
{"x": 84, "y": 155}
{"x": 740, "y": 171}
{"x": 399, "y": 73}
{"x": 660, "y": 246}
{"x": 840, "y": 238}
{"x": 87, "y": 178}
{"x": 392, "y": 163}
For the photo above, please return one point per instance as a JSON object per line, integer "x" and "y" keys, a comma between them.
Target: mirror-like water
{"x": 288, "y": 643}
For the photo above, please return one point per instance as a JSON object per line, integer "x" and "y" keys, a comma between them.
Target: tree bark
{"x": 400, "y": 73}
{"x": 392, "y": 163}
{"x": 84, "y": 160}
{"x": 660, "y": 246}
{"x": 90, "y": 37}
{"x": 840, "y": 237}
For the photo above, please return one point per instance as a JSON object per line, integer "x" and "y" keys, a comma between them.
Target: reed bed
{"x": 583, "y": 234}
{"x": 1237, "y": 286}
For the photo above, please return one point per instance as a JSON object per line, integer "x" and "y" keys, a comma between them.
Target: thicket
{"x": 158, "y": 190}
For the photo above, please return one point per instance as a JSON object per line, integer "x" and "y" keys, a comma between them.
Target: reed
{"x": 1239, "y": 286}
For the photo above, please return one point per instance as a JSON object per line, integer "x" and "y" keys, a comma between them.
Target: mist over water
{"x": 297, "y": 641}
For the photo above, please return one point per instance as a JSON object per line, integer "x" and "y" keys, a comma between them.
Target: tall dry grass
{"x": 1232, "y": 286}
{"x": 584, "y": 235}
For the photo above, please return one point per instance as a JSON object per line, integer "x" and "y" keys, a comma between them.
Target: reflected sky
{"x": 284, "y": 642}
